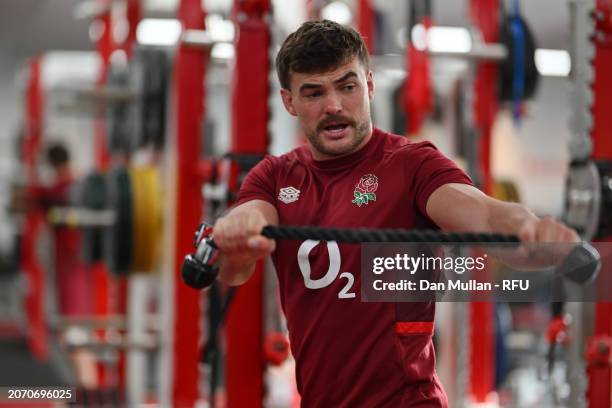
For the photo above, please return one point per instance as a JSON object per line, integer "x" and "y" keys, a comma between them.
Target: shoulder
{"x": 294, "y": 157}
{"x": 396, "y": 146}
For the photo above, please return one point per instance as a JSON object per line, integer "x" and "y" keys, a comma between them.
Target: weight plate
{"x": 604, "y": 225}
{"x": 583, "y": 199}
{"x": 506, "y": 67}
{"x": 147, "y": 211}
{"x": 506, "y": 190}
{"x": 118, "y": 238}
{"x": 118, "y": 119}
{"x": 149, "y": 75}
{"x": 93, "y": 196}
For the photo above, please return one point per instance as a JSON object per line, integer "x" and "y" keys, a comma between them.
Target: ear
{"x": 288, "y": 101}
{"x": 370, "y": 82}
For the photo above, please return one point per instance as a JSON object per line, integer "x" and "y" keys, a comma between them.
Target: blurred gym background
{"x": 152, "y": 104}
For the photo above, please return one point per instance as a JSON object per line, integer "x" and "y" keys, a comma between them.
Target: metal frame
{"x": 34, "y": 303}
{"x": 484, "y": 15}
{"x": 188, "y": 112}
{"x": 366, "y": 24}
{"x": 250, "y": 119}
{"x": 599, "y": 393}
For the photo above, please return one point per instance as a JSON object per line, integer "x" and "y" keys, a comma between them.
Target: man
{"x": 349, "y": 353}
{"x": 72, "y": 280}
{"x": 73, "y": 293}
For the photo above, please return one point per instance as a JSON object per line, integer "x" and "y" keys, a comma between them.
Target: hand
{"x": 238, "y": 236}
{"x": 546, "y": 230}
{"x": 536, "y": 235}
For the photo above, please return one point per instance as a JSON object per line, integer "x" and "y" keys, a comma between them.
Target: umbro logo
{"x": 288, "y": 194}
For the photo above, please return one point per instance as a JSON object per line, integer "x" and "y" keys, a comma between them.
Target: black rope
{"x": 351, "y": 235}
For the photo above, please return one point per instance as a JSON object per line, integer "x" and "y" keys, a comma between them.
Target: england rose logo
{"x": 364, "y": 190}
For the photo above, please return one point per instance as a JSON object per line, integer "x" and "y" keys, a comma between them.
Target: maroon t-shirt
{"x": 349, "y": 353}
{"x": 72, "y": 279}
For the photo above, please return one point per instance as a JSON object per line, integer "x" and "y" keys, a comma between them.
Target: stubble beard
{"x": 361, "y": 131}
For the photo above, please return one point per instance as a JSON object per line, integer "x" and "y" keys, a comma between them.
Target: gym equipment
{"x": 518, "y": 75}
{"x": 149, "y": 73}
{"x": 598, "y": 16}
{"x": 188, "y": 89}
{"x": 417, "y": 93}
{"x": 512, "y": 53}
{"x": 118, "y": 118}
{"x": 212, "y": 354}
{"x": 506, "y": 190}
{"x": 250, "y": 120}
{"x": 118, "y": 237}
{"x": 199, "y": 270}
{"x": 483, "y": 108}
{"x": 276, "y": 349}
{"x": 35, "y": 299}
{"x": 587, "y": 197}
{"x": 134, "y": 98}
{"x": 147, "y": 215}
{"x": 92, "y": 197}
{"x": 121, "y": 218}
{"x": 583, "y": 198}
{"x": 366, "y": 24}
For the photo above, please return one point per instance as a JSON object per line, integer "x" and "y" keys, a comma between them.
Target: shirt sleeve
{"x": 259, "y": 184}
{"x": 433, "y": 171}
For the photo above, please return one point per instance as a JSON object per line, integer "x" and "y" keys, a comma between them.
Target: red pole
{"x": 190, "y": 71}
{"x": 600, "y": 377}
{"x": 34, "y": 117}
{"x": 250, "y": 116}
{"x": 365, "y": 24}
{"x": 104, "y": 47}
{"x": 109, "y": 294}
{"x": 37, "y": 335}
{"x": 417, "y": 87}
{"x": 484, "y": 15}
{"x": 133, "y": 14}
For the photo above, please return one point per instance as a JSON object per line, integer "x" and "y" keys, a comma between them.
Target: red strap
{"x": 414, "y": 327}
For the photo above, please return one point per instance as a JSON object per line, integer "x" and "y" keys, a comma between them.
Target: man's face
{"x": 333, "y": 108}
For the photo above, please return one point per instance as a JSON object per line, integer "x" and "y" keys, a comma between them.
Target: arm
{"x": 474, "y": 211}
{"x": 237, "y": 235}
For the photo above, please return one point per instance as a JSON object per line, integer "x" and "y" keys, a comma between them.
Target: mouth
{"x": 335, "y": 129}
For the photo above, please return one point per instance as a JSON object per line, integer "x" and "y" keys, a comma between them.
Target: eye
{"x": 314, "y": 95}
{"x": 349, "y": 87}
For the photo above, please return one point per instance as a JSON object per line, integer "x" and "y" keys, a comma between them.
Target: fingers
{"x": 547, "y": 229}
{"x": 240, "y": 232}
{"x": 261, "y": 243}
{"x": 551, "y": 230}
{"x": 527, "y": 232}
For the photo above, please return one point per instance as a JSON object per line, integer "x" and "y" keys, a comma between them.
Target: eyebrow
{"x": 348, "y": 75}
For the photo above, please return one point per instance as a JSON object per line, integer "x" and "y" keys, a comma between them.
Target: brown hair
{"x": 319, "y": 46}
{"x": 57, "y": 155}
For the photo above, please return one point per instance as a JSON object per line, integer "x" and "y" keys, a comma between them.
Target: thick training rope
{"x": 200, "y": 269}
{"x": 351, "y": 235}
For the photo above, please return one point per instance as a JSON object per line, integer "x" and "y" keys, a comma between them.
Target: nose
{"x": 333, "y": 104}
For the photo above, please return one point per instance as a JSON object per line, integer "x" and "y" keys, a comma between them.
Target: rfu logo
{"x": 288, "y": 194}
